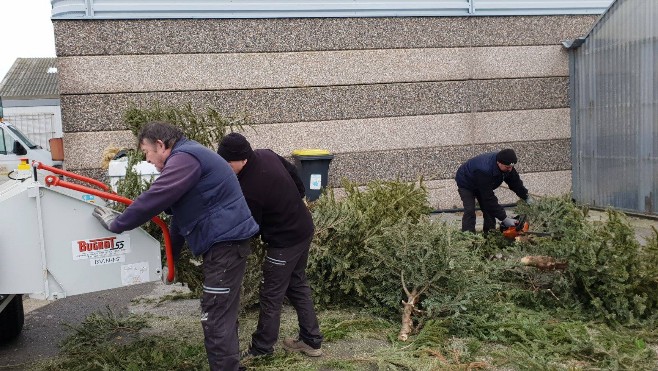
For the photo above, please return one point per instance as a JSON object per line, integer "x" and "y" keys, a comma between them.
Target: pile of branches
{"x": 609, "y": 273}
{"x": 376, "y": 248}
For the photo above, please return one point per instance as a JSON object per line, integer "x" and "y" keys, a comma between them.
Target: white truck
{"x": 14, "y": 146}
{"x": 52, "y": 247}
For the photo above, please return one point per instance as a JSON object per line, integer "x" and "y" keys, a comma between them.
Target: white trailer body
{"x": 52, "y": 247}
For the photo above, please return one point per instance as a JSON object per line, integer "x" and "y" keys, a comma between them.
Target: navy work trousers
{"x": 223, "y": 270}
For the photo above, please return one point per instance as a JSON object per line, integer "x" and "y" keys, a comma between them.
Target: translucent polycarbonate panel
{"x": 614, "y": 110}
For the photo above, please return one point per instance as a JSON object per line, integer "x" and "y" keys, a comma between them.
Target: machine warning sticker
{"x": 98, "y": 248}
{"x": 107, "y": 260}
{"x": 132, "y": 274}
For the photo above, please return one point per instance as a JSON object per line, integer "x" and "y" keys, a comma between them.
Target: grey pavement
{"x": 45, "y": 321}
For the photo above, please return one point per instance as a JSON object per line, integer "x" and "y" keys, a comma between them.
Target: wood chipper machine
{"x": 52, "y": 247}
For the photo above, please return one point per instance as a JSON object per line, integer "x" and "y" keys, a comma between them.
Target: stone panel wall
{"x": 392, "y": 98}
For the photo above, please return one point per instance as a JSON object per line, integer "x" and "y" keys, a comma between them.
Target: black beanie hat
{"x": 234, "y": 147}
{"x": 506, "y": 157}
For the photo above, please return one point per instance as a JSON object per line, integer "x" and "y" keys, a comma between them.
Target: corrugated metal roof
{"x": 146, "y": 9}
{"x": 30, "y": 78}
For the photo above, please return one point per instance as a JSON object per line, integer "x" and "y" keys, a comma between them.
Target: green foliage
{"x": 253, "y": 275}
{"x": 370, "y": 240}
{"x": 105, "y": 341}
{"x": 648, "y": 269}
{"x": 526, "y": 339}
{"x": 539, "y": 341}
{"x": 554, "y": 214}
{"x": 508, "y": 337}
{"x": 475, "y": 288}
{"x": 341, "y": 328}
{"x": 493, "y": 246}
{"x": 338, "y": 268}
{"x": 101, "y": 328}
{"x": 452, "y": 352}
{"x": 433, "y": 334}
{"x": 609, "y": 271}
{"x": 207, "y": 129}
{"x": 435, "y": 261}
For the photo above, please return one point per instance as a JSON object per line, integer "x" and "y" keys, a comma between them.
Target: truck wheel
{"x": 11, "y": 319}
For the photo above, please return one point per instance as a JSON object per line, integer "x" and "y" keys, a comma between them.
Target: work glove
{"x": 105, "y": 216}
{"x": 509, "y": 222}
{"x": 165, "y": 273}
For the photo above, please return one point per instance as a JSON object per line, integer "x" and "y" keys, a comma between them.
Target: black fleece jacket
{"x": 274, "y": 193}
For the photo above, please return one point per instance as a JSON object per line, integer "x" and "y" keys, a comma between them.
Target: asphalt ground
{"x": 46, "y": 322}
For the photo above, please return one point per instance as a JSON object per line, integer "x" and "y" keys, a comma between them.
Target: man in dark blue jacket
{"x": 476, "y": 180}
{"x": 209, "y": 211}
{"x": 275, "y": 193}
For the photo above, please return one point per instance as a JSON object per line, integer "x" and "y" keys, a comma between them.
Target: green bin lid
{"x": 311, "y": 152}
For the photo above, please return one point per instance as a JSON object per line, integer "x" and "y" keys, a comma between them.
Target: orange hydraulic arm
{"x": 71, "y": 175}
{"x": 52, "y": 180}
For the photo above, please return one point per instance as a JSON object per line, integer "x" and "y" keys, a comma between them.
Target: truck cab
{"x": 15, "y": 146}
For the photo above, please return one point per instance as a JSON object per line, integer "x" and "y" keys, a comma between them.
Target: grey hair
{"x": 160, "y": 130}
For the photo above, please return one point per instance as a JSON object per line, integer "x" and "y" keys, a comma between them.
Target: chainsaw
{"x": 521, "y": 228}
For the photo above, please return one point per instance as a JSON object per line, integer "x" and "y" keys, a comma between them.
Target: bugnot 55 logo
{"x": 100, "y": 247}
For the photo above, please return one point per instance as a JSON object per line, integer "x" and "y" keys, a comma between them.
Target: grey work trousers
{"x": 284, "y": 274}
{"x": 223, "y": 270}
{"x": 468, "y": 219}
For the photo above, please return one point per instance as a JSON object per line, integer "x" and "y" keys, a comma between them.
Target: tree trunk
{"x": 544, "y": 262}
{"x": 407, "y": 311}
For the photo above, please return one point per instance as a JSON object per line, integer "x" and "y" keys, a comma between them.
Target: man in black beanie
{"x": 234, "y": 147}
{"x": 476, "y": 180}
{"x": 275, "y": 196}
